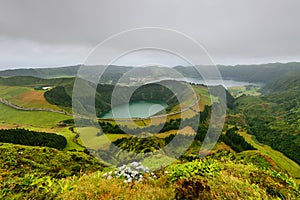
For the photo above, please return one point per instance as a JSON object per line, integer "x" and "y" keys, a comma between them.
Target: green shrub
{"x": 204, "y": 167}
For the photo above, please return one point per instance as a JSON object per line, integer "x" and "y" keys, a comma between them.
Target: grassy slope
{"x": 233, "y": 181}
{"x": 286, "y": 164}
{"x": 41, "y": 161}
{"x": 45, "y": 121}
{"x": 22, "y": 168}
{"x": 26, "y": 97}
{"x": 256, "y": 103}
{"x": 238, "y": 91}
{"x": 40, "y": 172}
{"x": 30, "y": 118}
{"x": 90, "y": 139}
{"x": 38, "y": 121}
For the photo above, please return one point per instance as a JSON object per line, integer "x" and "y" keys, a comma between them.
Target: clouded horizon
{"x": 60, "y": 33}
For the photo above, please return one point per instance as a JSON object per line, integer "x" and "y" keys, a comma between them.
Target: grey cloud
{"x": 233, "y": 31}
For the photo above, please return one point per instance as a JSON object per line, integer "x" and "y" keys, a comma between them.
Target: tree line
{"x": 235, "y": 141}
{"x": 32, "y": 138}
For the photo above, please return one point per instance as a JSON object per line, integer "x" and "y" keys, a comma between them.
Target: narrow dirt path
{"x": 30, "y": 109}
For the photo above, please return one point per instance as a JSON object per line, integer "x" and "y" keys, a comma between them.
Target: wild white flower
{"x": 135, "y": 164}
{"x": 132, "y": 172}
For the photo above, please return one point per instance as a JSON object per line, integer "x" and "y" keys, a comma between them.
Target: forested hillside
{"x": 275, "y": 118}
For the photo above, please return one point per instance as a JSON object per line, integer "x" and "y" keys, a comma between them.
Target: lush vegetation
{"x": 58, "y": 96}
{"x": 240, "y": 166}
{"x": 251, "y": 90}
{"x": 61, "y": 95}
{"x": 32, "y": 138}
{"x": 172, "y": 124}
{"x": 25, "y": 97}
{"x": 31, "y": 172}
{"x": 274, "y": 118}
{"x": 235, "y": 141}
{"x": 72, "y": 175}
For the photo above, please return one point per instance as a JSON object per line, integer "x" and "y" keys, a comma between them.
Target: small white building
{"x": 46, "y": 88}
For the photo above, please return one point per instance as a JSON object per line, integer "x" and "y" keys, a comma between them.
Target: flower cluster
{"x": 133, "y": 172}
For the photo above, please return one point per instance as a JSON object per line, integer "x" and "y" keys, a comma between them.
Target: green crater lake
{"x": 137, "y": 109}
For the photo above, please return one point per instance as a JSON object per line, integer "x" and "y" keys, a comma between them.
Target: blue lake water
{"x": 225, "y": 83}
{"x": 144, "y": 109}
{"x": 137, "y": 109}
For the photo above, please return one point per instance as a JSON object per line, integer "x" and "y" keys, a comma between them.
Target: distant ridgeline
{"x": 263, "y": 73}
{"x": 32, "y": 138}
{"x": 250, "y": 73}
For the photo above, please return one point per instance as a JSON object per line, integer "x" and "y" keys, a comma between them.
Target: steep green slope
{"x": 291, "y": 82}
{"x": 275, "y": 118}
{"x": 23, "y": 169}
{"x": 201, "y": 179}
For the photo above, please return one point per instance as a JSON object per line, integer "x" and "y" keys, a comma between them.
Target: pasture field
{"x": 250, "y": 90}
{"x": 37, "y": 121}
{"x": 26, "y": 97}
{"x": 89, "y": 135}
{"x": 47, "y": 121}
{"x": 42, "y": 119}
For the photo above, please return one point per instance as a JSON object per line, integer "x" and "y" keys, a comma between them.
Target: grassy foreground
{"x": 45, "y": 173}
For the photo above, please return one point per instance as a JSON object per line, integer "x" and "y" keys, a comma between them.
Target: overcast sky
{"x": 57, "y": 32}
